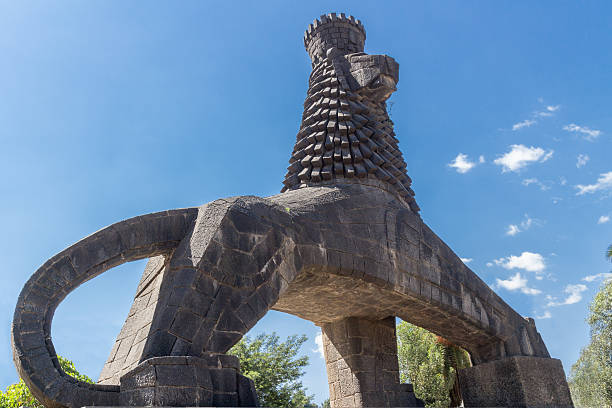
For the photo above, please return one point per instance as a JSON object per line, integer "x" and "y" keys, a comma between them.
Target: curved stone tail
{"x": 33, "y": 351}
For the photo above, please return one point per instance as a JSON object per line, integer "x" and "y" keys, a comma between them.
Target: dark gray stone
{"x": 515, "y": 382}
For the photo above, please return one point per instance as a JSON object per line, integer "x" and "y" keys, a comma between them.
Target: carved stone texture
{"x": 346, "y": 34}
{"x": 516, "y": 382}
{"x": 362, "y": 367}
{"x": 346, "y": 131}
{"x": 343, "y": 246}
{"x": 182, "y": 381}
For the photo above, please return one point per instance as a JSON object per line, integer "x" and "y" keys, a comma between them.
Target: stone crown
{"x": 346, "y": 34}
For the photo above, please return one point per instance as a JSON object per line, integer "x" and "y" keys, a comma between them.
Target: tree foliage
{"x": 591, "y": 376}
{"x": 275, "y": 368}
{"x": 18, "y": 395}
{"x": 430, "y": 364}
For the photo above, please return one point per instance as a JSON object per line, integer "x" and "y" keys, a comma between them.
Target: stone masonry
{"x": 343, "y": 245}
{"x": 362, "y": 367}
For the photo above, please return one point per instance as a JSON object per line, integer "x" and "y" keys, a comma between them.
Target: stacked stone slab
{"x": 362, "y": 366}
{"x": 343, "y": 249}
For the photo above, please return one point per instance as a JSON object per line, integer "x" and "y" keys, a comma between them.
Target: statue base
{"x": 212, "y": 380}
{"x": 515, "y": 382}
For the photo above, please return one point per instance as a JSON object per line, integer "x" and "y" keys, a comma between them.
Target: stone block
{"x": 187, "y": 381}
{"x": 223, "y": 379}
{"x": 225, "y": 399}
{"x": 142, "y": 377}
{"x": 175, "y": 375}
{"x": 517, "y": 382}
{"x": 185, "y": 324}
{"x": 247, "y": 396}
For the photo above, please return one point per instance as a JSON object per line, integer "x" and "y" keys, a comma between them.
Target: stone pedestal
{"x": 214, "y": 380}
{"x": 362, "y": 367}
{"x": 515, "y": 382}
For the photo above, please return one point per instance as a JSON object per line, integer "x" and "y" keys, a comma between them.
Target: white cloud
{"x": 574, "y": 295}
{"x": 520, "y": 156}
{"x": 525, "y": 123}
{"x": 588, "y": 134}
{"x": 528, "y": 261}
{"x": 604, "y": 182}
{"x": 489, "y": 264}
{"x": 546, "y": 315}
{"x": 466, "y": 260}
{"x": 512, "y": 230}
{"x": 529, "y": 181}
{"x": 562, "y": 180}
{"x": 319, "y": 342}
{"x": 603, "y": 219}
{"x": 481, "y": 159}
{"x": 548, "y": 111}
{"x": 517, "y": 282}
{"x": 462, "y": 163}
{"x": 581, "y": 160}
{"x": 537, "y": 182}
{"x": 603, "y": 276}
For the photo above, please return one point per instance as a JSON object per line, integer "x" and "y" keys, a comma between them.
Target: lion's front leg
{"x": 195, "y": 304}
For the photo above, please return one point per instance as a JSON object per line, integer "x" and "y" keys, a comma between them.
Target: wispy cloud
{"x": 603, "y": 219}
{"x": 603, "y": 276}
{"x": 514, "y": 229}
{"x": 604, "y": 182}
{"x": 574, "y": 295}
{"x": 546, "y": 315}
{"x": 517, "y": 283}
{"x": 528, "y": 261}
{"x": 520, "y": 156}
{"x": 319, "y": 343}
{"x": 587, "y": 133}
{"x": 525, "y": 123}
{"x": 581, "y": 160}
{"x": 548, "y": 111}
{"x": 466, "y": 260}
{"x": 462, "y": 163}
{"x": 537, "y": 182}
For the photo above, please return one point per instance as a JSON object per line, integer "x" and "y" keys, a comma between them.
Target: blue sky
{"x": 109, "y": 110}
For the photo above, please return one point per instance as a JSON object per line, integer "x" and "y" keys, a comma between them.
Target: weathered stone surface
{"x": 181, "y": 382}
{"x": 343, "y": 246}
{"x": 515, "y": 382}
{"x": 362, "y": 367}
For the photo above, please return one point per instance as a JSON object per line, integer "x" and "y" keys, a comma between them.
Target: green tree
{"x": 18, "y": 395}
{"x": 275, "y": 368}
{"x": 430, "y": 363}
{"x": 591, "y": 376}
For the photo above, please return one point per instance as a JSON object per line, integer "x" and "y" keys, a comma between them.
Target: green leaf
{"x": 275, "y": 368}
